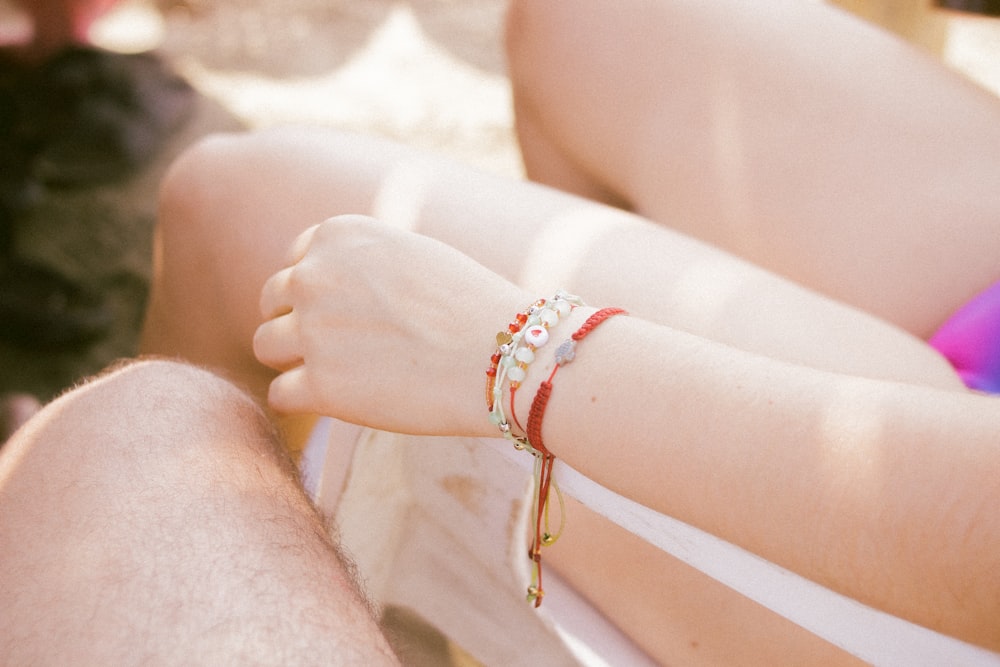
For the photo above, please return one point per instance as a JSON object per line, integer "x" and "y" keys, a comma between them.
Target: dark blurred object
{"x": 41, "y": 309}
{"x": 80, "y": 119}
{"x": 987, "y": 7}
{"x": 86, "y": 116}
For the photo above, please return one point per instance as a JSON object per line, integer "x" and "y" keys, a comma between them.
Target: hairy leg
{"x": 232, "y": 205}
{"x": 156, "y": 519}
{"x": 786, "y": 132}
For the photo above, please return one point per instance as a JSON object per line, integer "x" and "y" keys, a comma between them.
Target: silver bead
{"x": 566, "y": 352}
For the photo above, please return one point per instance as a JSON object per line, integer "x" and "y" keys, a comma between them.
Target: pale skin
{"x": 787, "y": 133}
{"x": 871, "y": 232}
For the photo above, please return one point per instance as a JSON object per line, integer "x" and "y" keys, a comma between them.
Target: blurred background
{"x": 426, "y": 72}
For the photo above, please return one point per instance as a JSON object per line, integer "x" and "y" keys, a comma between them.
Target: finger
{"x": 276, "y": 343}
{"x": 289, "y": 392}
{"x": 300, "y": 246}
{"x": 275, "y": 297}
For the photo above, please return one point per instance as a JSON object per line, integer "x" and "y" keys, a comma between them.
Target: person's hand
{"x": 383, "y": 327}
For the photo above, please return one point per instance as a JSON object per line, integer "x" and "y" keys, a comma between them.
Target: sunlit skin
{"x": 759, "y": 292}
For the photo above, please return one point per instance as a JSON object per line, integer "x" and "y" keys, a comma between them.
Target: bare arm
{"x": 877, "y": 489}
{"x": 883, "y": 491}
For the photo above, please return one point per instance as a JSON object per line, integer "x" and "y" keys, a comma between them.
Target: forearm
{"x": 881, "y": 491}
{"x": 543, "y": 240}
{"x": 553, "y": 240}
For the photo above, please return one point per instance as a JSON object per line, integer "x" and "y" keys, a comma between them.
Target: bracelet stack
{"x": 509, "y": 366}
{"x": 516, "y": 350}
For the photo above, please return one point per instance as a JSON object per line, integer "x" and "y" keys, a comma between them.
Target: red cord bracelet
{"x": 565, "y": 353}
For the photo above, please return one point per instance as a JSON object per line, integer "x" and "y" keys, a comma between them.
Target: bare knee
{"x": 533, "y": 31}
{"x": 151, "y": 503}
{"x": 191, "y": 233}
{"x": 152, "y": 414}
{"x": 520, "y": 30}
{"x": 182, "y": 398}
{"x": 542, "y": 55}
{"x": 206, "y": 270}
{"x": 193, "y": 188}
{"x": 522, "y": 16}
{"x": 185, "y": 180}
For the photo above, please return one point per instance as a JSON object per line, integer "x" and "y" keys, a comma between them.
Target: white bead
{"x": 516, "y": 374}
{"x": 562, "y": 307}
{"x": 508, "y": 362}
{"x": 524, "y": 355}
{"x": 549, "y": 318}
{"x": 536, "y": 336}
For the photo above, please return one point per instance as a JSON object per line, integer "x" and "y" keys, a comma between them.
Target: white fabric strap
{"x": 871, "y": 635}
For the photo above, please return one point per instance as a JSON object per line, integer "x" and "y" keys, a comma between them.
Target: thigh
{"x": 157, "y": 520}
{"x": 678, "y": 615}
{"x": 234, "y": 204}
{"x": 786, "y": 132}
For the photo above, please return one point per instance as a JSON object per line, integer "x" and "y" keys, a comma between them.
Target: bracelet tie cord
{"x": 515, "y": 351}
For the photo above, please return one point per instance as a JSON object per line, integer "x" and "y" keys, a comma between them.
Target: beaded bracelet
{"x": 516, "y": 350}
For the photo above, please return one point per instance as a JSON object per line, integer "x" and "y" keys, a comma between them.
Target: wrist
{"x": 530, "y": 351}
{"x": 532, "y": 332}
{"x": 496, "y": 317}
{"x": 545, "y": 362}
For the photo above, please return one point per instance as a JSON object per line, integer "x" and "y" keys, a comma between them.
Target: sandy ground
{"x": 426, "y": 72}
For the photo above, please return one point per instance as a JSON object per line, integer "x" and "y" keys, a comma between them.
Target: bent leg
{"x": 786, "y": 132}
{"x": 153, "y": 518}
{"x": 233, "y": 204}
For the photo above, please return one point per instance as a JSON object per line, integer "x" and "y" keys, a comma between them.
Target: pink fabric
{"x": 970, "y": 340}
